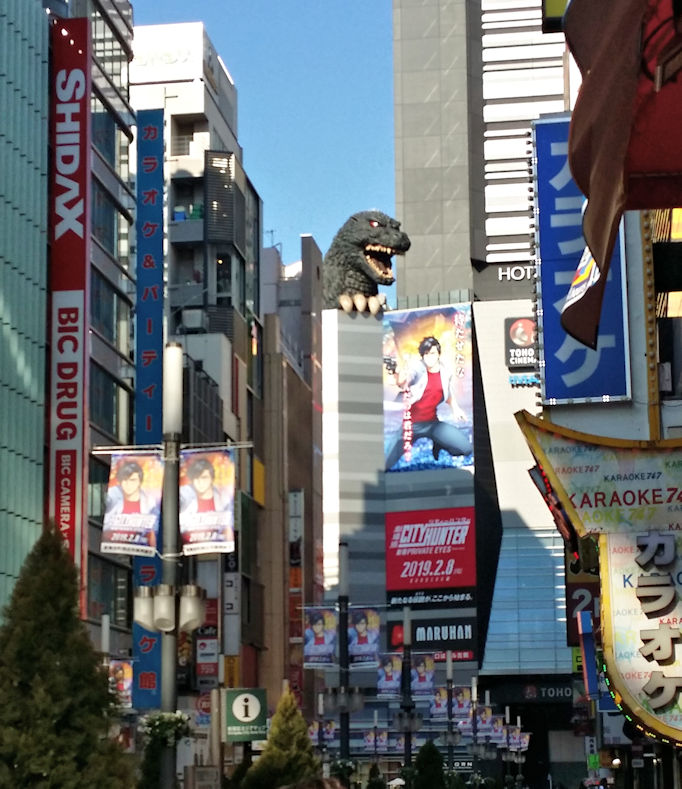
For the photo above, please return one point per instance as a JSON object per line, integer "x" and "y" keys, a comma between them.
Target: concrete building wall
{"x": 438, "y": 142}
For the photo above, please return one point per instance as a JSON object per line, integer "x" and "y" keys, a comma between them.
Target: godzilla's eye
{"x": 373, "y": 223}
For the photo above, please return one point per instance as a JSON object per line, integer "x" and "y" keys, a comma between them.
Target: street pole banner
{"x": 121, "y": 681}
{"x": 207, "y": 484}
{"x": 133, "y": 504}
{"x": 320, "y": 637}
{"x": 421, "y": 680}
{"x": 363, "y": 638}
{"x": 389, "y": 676}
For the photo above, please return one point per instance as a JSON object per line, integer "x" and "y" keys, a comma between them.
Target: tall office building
{"x": 23, "y": 256}
{"x": 65, "y": 233}
{"x": 469, "y": 79}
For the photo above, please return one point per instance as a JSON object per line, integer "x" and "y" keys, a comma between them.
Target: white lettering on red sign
{"x": 69, "y": 203}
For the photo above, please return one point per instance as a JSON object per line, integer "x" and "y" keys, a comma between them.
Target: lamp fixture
{"x": 154, "y": 607}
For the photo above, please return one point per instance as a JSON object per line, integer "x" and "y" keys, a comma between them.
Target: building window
{"x": 109, "y": 405}
{"x": 109, "y": 139}
{"x": 98, "y": 482}
{"x": 105, "y": 219}
{"x": 108, "y": 591}
{"x": 110, "y": 313}
{"x": 109, "y": 53}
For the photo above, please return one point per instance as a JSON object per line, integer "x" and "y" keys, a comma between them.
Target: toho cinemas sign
{"x": 629, "y": 493}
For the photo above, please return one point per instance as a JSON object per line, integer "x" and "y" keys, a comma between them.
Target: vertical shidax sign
{"x": 428, "y": 388}
{"x": 148, "y": 368}
{"x": 69, "y": 238}
{"x": 571, "y": 371}
{"x": 133, "y": 505}
{"x": 207, "y": 501}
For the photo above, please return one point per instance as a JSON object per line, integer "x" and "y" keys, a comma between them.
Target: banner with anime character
{"x": 363, "y": 638}
{"x": 423, "y": 668}
{"x": 389, "y": 675}
{"x": 427, "y": 381}
{"x": 319, "y": 637}
{"x": 121, "y": 681}
{"x": 133, "y": 504}
{"x": 207, "y": 482}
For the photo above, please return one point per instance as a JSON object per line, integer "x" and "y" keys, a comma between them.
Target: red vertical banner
{"x": 69, "y": 238}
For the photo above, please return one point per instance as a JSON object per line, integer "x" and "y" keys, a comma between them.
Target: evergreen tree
{"x": 288, "y": 755}
{"x": 429, "y": 768}
{"x": 55, "y": 702}
{"x": 376, "y": 779}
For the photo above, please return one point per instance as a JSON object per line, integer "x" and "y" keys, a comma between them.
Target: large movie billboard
{"x": 428, "y": 388}
{"x": 431, "y": 558}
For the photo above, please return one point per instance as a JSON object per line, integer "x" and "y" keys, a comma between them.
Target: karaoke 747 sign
{"x": 630, "y": 494}
{"x": 246, "y": 714}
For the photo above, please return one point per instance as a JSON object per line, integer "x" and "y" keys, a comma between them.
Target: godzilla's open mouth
{"x": 378, "y": 258}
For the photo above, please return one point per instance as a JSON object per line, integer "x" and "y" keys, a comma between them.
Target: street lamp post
{"x": 452, "y": 736}
{"x": 158, "y": 608}
{"x": 172, "y": 433}
{"x": 407, "y": 720}
{"x": 406, "y": 702}
{"x": 320, "y": 724}
{"x": 376, "y": 732}
{"x": 344, "y": 714}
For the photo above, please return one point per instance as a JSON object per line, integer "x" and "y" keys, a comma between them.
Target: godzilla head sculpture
{"x": 359, "y": 260}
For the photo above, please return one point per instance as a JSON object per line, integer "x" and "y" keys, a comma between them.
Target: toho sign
{"x": 246, "y": 714}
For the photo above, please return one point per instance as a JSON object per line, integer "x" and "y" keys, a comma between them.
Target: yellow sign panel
{"x": 232, "y": 671}
{"x": 552, "y": 13}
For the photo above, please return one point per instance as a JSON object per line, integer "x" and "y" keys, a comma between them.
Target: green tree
{"x": 429, "y": 768}
{"x": 454, "y": 780}
{"x": 288, "y": 755}
{"x": 376, "y": 779}
{"x": 55, "y": 703}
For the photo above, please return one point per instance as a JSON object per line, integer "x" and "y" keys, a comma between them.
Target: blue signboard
{"x": 571, "y": 372}
{"x": 148, "y": 370}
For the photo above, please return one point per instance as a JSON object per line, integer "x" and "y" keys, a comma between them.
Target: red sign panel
{"x": 431, "y": 557}
{"x": 69, "y": 235}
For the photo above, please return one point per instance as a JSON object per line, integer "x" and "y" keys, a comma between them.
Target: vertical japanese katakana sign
{"x": 148, "y": 368}
{"x": 571, "y": 372}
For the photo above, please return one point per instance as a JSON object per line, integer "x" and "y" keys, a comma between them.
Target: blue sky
{"x": 315, "y": 86}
